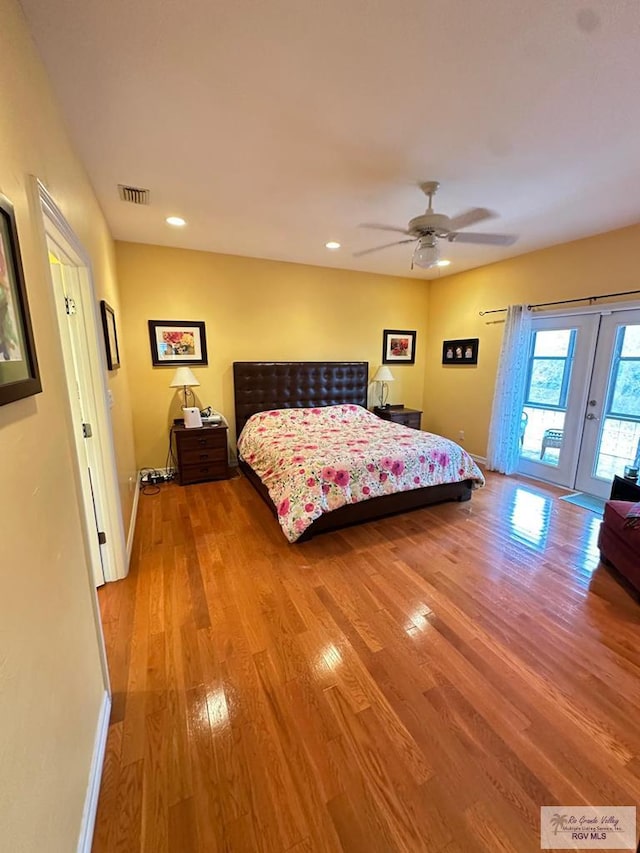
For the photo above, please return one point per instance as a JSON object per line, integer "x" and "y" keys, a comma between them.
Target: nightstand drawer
{"x": 202, "y": 440}
{"x": 206, "y": 471}
{"x": 203, "y": 455}
{"x": 412, "y": 421}
{"x": 198, "y": 473}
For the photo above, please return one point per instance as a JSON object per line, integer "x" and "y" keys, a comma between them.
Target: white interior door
{"x": 69, "y": 307}
{"x": 89, "y": 397}
{"x": 560, "y": 357}
{"x": 611, "y": 428}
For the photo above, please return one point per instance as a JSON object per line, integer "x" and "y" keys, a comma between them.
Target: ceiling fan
{"x": 428, "y": 228}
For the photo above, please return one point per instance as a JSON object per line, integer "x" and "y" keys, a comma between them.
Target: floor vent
{"x": 135, "y": 195}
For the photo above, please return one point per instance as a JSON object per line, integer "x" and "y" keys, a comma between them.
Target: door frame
{"x": 600, "y": 389}
{"x": 66, "y": 292}
{"x": 563, "y": 475}
{"x": 56, "y": 228}
{"x": 559, "y": 313}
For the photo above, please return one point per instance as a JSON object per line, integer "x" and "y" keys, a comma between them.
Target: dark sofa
{"x": 620, "y": 545}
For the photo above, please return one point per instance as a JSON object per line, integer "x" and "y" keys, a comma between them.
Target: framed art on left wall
{"x": 110, "y": 335}
{"x": 19, "y": 375}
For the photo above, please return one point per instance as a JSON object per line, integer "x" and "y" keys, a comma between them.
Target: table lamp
{"x": 383, "y": 377}
{"x": 184, "y": 378}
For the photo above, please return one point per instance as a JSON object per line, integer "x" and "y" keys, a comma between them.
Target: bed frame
{"x": 264, "y": 385}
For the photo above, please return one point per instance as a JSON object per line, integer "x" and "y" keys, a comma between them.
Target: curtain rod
{"x": 589, "y": 299}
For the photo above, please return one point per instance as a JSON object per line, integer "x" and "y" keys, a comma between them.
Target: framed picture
{"x": 110, "y": 335}
{"x": 177, "y": 342}
{"x": 463, "y": 351}
{"x": 19, "y": 375}
{"x": 398, "y": 347}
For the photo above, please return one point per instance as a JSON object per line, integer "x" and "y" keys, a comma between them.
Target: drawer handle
{"x": 203, "y": 455}
{"x": 202, "y": 440}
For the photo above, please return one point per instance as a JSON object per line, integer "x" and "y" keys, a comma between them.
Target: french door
{"x": 611, "y": 430}
{"x": 581, "y": 416}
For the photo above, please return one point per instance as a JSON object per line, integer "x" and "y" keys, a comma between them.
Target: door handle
{"x": 591, "y": 417}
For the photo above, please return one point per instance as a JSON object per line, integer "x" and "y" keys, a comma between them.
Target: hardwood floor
{"x": 421, "y": 683}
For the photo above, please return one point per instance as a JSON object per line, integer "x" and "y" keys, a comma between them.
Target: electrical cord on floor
{"x": 150, "y": 485}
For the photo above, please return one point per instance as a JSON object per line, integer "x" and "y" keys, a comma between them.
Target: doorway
{"x": 71, "y": 320}
{"x": 581, "y": 417}
{"x": 90, "y": 422}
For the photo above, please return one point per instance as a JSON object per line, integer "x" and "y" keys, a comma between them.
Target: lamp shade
{"x": 426, "y": 254}
{"x": 383, "y": 374}
{"x": 183, "y": 377}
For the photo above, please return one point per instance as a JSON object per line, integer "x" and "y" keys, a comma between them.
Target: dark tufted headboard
{"x": 263, "y": 385}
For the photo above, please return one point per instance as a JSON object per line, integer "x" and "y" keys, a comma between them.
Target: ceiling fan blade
{"x": 383, "y": 227}
{"x": 486, "y": 239}
{"x": 378, "y": 248}
{"x": 470, "y": 217}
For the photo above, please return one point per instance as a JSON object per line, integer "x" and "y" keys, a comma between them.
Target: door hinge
{"x": 70, "y": 306}
{"x": 102, "y": 537}
{"x": 87, "y": 431}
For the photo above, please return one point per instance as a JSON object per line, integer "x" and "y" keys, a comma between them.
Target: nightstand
{"x": 399, "y": 415}
{"x": 201, "y": 453}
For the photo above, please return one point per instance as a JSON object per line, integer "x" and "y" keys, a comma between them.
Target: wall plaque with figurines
{"x": 464, "y": 351}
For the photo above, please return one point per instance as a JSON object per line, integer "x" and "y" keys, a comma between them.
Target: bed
{"x": 269, "y": 387}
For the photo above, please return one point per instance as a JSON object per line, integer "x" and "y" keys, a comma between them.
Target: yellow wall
{"x": 51, "y": 683}
{"x": 459, "y": 398}
{"x": 254, "y": 310}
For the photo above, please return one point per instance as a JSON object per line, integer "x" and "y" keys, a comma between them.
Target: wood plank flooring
{"x": 421, "y": 683}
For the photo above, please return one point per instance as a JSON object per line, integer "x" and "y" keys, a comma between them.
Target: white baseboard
{"x": 481, "y": 459}
{"x": 132, "y": 521}
{"x": 85, "y": 841}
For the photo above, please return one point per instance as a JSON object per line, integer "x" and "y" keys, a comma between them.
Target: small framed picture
{"x": 398, "y": 347}
{"x": 19, "y": 374}
{"x": 461, "y": 351}
{"x": 110, "y": 335}
{"x": 177, "y": 342}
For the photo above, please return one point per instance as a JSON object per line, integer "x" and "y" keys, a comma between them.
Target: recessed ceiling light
{"x": 176, "y": 221}
{"x": 443, "y": 262}
{"x": 332, "y": 245}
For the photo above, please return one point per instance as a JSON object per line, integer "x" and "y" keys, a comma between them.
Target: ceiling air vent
{"x": 135, "y": 195}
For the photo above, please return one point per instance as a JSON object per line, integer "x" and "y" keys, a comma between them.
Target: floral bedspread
{"x": 313, "y": 461}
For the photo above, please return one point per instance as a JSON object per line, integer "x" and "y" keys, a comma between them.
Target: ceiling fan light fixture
{"x": 426, "y": 253}
{"x": 430, "y": 226}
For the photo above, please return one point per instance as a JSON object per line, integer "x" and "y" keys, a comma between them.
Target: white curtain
{"x": 506, "y": 415}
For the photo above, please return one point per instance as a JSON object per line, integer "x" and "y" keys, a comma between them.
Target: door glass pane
{"x": 619, "y": 442}
{"x": 550, "y": 366}
{"x": 631, "y": 342}
{"x": 550, "y": 343}
{"x": 626, "y": 391}
{"x": 546, "y": 381}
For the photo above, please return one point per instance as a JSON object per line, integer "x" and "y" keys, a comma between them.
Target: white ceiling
{"x": 275, "y": 126}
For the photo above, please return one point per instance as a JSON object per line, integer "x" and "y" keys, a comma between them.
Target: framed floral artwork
{"x": 398, "y": 347}
{"x": 177, "y": 342}
{"x": 19, "y": 375}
